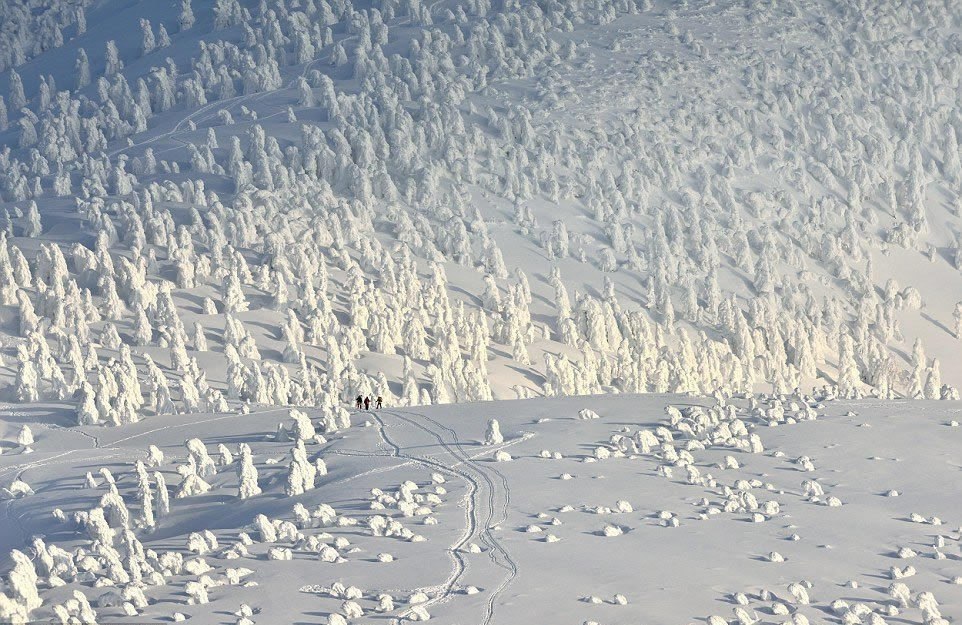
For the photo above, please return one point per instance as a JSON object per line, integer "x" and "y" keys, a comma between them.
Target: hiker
{"x": 367, "y": 403}
{"x": 358, "y": 401}
{"x": 378, "y": 403}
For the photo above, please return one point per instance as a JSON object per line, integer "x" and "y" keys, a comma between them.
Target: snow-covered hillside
{"x": 218, "y": 215}
{"x": 299, "y": 201}
{"x": 614, "y": 510}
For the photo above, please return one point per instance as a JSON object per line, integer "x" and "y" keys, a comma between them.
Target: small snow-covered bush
{"x": 493, "y": 435}
{"x": 799, "y": 593}
{"x": 612, "y": 530}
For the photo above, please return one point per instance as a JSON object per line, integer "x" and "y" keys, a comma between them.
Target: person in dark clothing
{"x": 378, "y": 403}
{"x": 358, "y": 402}
{"x": 367, "y": 403}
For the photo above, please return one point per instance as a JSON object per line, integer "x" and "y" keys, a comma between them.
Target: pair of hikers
{"x": 365, "y": 402}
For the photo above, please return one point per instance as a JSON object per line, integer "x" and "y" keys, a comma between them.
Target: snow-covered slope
{"x": 439, "y": 202}
{"x": 215, "y": 211}
{"x": 662, "y": 509}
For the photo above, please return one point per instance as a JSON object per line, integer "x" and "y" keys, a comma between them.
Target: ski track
{"x": 36, "y": 464}
{"x": 480, "y": 479}
{"x": 109, "y": 452}
{"x": 231, "y": 103}
{"x": 487, "y": 536}
{"x": 445, "y": 589}
{"x": 355, "y": 453}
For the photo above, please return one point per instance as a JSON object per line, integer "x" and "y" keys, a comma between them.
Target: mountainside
{"x": 443, "y": 202}
{"x": 216, "y": 215}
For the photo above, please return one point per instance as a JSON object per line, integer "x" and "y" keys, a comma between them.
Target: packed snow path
{"x": 486, "y": 504}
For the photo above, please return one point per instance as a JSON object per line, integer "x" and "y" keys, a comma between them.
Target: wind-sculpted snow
{"x": 674, "y": 509}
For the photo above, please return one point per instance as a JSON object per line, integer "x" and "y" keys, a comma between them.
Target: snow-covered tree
{"x": 247, "y": 473}
{"x": 186, "y": 19}
{"x": 112, "y": 60}
{"x": 493, "y": 434}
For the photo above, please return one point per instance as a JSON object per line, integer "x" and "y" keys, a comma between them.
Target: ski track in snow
{"x": 422, "y": 439}
{"x": 487, "y": 536}
{"x": 480, "y": 480}
{"x": 230, "y": 104}
{"x": 458, "y": 563}
{"x": 116, "y": 451}
{"x": 411, "y": 440}
{"x": 485, "y": 486}
{"x": 356, "y": 453}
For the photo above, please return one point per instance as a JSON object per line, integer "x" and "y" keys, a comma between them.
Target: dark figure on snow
{"x": 378, "y": 403}
{"x": 367, "y": 403}
{"x": 358, "y": 402}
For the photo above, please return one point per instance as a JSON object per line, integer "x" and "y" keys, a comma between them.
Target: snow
{"x": 223, "y": 221}
{"x": 804, "y": 555}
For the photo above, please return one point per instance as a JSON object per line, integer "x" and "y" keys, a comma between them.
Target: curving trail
{"x": 459, "y": 565}
{"x": 233, "y": 102}
{"x": 498, "y": 552}
{"x": 487, "y": 502}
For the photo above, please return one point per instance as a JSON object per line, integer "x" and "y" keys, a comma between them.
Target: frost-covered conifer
{"x": 186, "y": 18}
{"x": 305, "y": 96}
{"x": 25, "y": 436}
{"x": 82, "y": 69}
{"x": 17, "y": 98}
{"x": 27, "y": 387}
{"x": 301, "y": 473}
{"x": 145, "y": 496}
{"x": 112, "y": 59}
{"x": 33, "y": 227}
{"x": 234, "y": 299}
{"x": 148, "y": 43}
{"x": 247, "y": 474}
{"x": 303, "y": 429}
{"x": 163, "y": 37}
{"x": 22, "y": 581}
{"x": 161, "y": 496}
{"x": 493, "y": 434}
{"x": 158, "y": 390}
{"x": 29, "y": 321}
{"x": 918, "y": 377}
{"x": 192, "y": 483}
{"x": 849, "y": 379}
{"x": 87, "y": 411}
{"x": 200, "y": 341}
{"x": 197, "y": 453}
{"x": 933, "y": 382}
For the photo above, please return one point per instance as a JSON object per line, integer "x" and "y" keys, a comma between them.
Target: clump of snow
{"x": 799, "y": 593}
{"x": 610, "y": 530}
{"x": 493, "y": 434}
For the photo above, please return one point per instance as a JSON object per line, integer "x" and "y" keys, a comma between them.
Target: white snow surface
{"x": 667, "y": 574}
{"x": 213, "y": 212}
{"x": 623, "y": 194}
